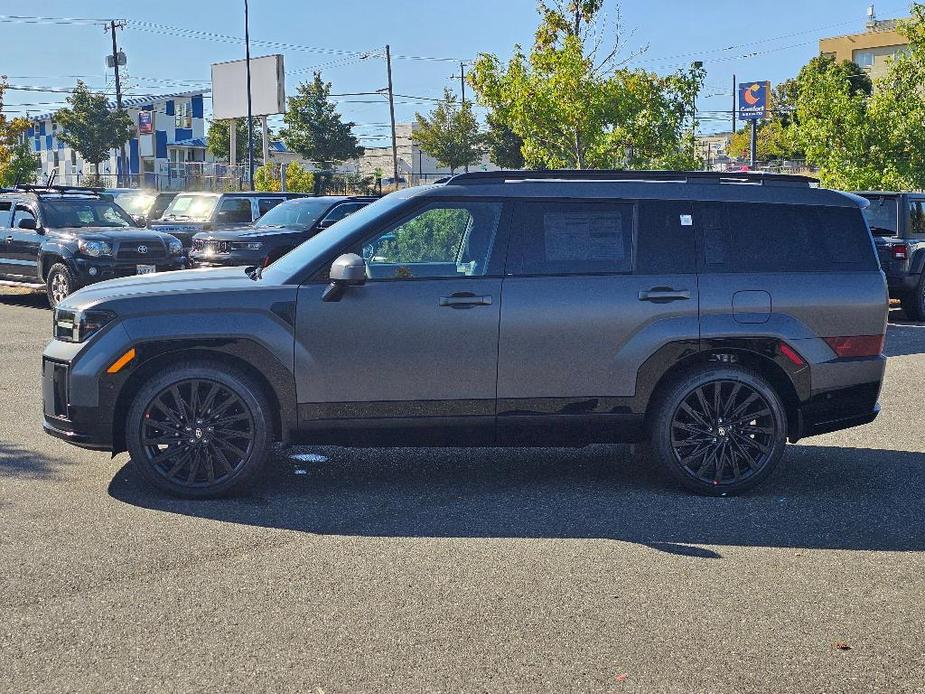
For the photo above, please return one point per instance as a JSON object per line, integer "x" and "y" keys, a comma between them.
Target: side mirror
{"x": 349, "y": 270}
{"x": 325, "y": 223}
{"x": 139, "y": 219}
{"x": 26, "y": 224}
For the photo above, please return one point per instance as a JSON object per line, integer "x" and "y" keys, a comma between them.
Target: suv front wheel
{"x": 200, "y": 430}
{"x": 60, "y": 283}
{"x": 719, "y": 430}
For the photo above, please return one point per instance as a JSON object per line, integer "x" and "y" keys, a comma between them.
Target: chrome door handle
{"x": 464, "y": 300}
{"x": 9, "y": 239}
{"x": 664, "y": 295}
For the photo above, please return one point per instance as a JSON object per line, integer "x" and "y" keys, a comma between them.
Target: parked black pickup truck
{"x": 897, "y": 222}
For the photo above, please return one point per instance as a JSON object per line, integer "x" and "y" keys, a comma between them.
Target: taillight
{"x": 856, "y": 346}
{"x": 900, "y": 251}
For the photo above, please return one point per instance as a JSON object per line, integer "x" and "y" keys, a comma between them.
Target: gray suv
{"x": 714, "y": 315}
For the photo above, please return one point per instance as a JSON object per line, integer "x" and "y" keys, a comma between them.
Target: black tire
{"x": 59, "y": 283}
{"x": 914, "y": 304}
{"x": 719, "y": 442}
{"x": 224, "y": 413}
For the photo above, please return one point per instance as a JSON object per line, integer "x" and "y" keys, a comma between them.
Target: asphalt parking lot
{"x": 463, "y": 570}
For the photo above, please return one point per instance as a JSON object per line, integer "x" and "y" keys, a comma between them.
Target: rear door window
{"x": 235, "y": 211}
{"x": 5, "y": 209}
{"x": 743, "y": 237}
{"x": 264, "y": 205}
{"x": 573, "y": 238}
{"x": 916, "y": 218}
{"x": 666, "y": 242}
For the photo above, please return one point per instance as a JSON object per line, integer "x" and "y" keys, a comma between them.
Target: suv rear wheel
{"x": 719, "y": 430}
{"x": 200, "y": 430}
{"x": 60, "y": 283}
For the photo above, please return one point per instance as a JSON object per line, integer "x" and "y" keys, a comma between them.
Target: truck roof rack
{"x": 706, "y": 177}
{"x": 57, "y": 190}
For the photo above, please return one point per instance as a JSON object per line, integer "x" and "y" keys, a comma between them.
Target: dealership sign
{"x": 754, "y": 100}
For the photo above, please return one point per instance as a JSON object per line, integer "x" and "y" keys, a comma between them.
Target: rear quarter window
{"x": 743, "y": 237}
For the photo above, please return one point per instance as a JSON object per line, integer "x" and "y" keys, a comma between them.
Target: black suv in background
{"x": 897, "y": 222}
{"x": 275, "y": 234}
{"x": 63, "y": 238}
{"x": 714, "y": 315}
{"x": 189, "y": 213}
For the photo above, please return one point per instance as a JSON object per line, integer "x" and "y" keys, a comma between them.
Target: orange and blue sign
{"x": 754, "y": 100}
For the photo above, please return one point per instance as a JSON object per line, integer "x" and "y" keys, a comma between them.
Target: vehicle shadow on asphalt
{"x": 20, "y": 462}
{"x": 904, "y": 337}
{"x": 821, "y": 497}
{"x": 25, "y": 299}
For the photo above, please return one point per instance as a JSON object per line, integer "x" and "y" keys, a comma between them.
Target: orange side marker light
{"x": 121, "y": 361}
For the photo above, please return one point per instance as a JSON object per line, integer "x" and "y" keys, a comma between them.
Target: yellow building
{"x": 871, "y": 50}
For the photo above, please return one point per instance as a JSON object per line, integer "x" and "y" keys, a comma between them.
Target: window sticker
{"x": 687, "y": 220}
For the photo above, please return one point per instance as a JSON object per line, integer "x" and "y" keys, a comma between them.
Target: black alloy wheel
{"x": 723, "y": 432}
{"x": 720, "y": 430}
{"x": 199, "y": 431}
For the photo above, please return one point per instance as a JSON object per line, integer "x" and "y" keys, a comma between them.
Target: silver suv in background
{"x": 189, "y": 213}
{"x": 714, "y": 315}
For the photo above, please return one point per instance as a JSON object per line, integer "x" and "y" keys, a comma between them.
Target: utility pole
{"x": 113, "y": 25}
{"x": 753, "y": 147}
{"x": 250, "y": 119}
{"x": 735, "y": 94}
{"x": 388, "y": 64}
{"x": 462, "y": 90}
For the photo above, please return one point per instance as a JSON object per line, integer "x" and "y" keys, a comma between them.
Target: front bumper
{"x": 91, "y": 270}
{"x": 230, "y": 259}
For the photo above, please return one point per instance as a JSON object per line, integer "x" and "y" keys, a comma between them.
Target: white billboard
{"x": 229, "y": 87}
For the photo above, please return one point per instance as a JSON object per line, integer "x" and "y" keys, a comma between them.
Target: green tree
{"x": 315, "y": 130}
{"x": 17, "y": 162}
{"x": 433, "y": 236}
{"x": 835, "y": 128}
{"x": 574, "y": 109}
{"x": 91, "y": 127}
{"x": 218, "y": 140}
{"x": 505, "y": 147}
{"x": 298, "y": 180}
{"x": 896, "y": 112}
{"x": 450, "y": 134}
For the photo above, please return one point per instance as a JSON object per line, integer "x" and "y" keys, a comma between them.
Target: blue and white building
{"x": 169, "y": 132}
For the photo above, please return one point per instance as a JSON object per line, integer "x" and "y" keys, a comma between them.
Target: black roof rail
{"x": 477, "y": 177}
{"x": 39, "y": 189}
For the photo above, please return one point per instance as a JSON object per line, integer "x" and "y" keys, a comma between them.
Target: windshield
{"x": 296, "y": 214}
{"x": 135, "y": 202}
{"x": 194, "y": 207}
{"x": 64, "y": 214}
{"x": 321, "y": 245}
{"x": 881, "y": 216}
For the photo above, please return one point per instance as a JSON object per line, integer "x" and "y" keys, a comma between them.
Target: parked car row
{"x": 64, "y": 238}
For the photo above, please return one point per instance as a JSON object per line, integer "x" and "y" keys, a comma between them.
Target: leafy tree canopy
{"x": 315, "y": 130}
{"x": 91, "y": 127}
{"x": 17, "y": 162}
{"x": 573, "y": 106}
{"x": 450, "y": 134}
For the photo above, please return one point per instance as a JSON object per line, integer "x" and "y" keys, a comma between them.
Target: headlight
{"x": 174, "y": 246}
{"x": 71, "y": 325}
{"x": 250, "y": 245}
{"x": 94, "y": 248}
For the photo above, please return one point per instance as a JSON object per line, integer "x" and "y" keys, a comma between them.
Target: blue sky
{"x": 759, "y": 40}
